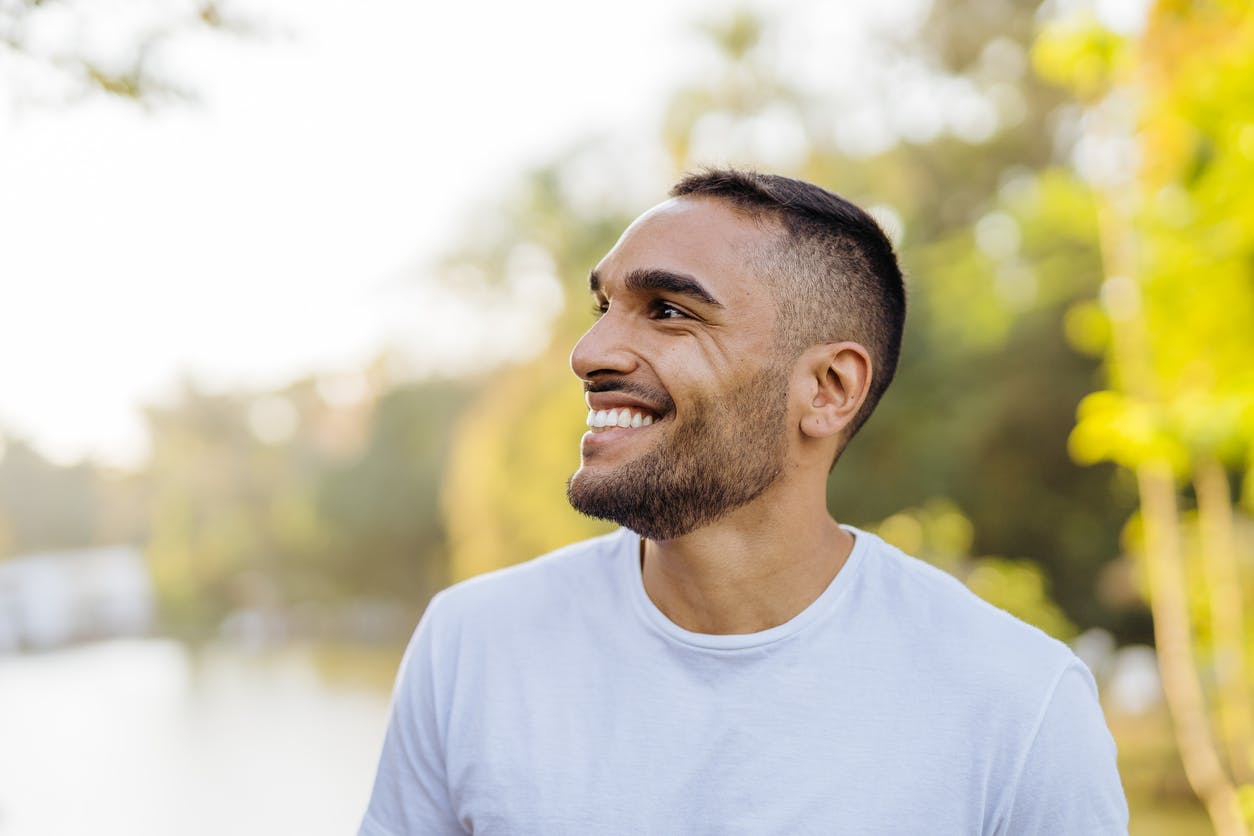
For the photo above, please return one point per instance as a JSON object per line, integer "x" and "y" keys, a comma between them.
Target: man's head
{"x": 831, "y": 269}
{"x": 730, "y": 316}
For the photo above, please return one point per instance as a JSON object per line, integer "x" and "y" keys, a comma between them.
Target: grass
{"x": 1160, "y": 801}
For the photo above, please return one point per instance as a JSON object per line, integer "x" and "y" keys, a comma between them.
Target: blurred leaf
{"x": 1079, "y": 53}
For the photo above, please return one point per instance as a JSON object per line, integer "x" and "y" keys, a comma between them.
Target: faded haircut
{"x": 832, "y": 272}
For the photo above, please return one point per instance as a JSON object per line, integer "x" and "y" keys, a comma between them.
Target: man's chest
{"x": 668, "y": 751}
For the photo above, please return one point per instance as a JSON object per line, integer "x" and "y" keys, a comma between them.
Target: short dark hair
{"x": 834, "y": 275}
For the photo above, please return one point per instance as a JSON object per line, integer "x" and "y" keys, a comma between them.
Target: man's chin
{"x": 605, "y": 473}
{"x": 580, "y": 477}
{"x": 594, "y": 492}
{"x": 583, "y": 488}
{"x": 618, "y": 499}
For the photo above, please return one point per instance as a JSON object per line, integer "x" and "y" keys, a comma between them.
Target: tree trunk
{"x": 1173, "y": 637}
{"x": 1227, "y": 615}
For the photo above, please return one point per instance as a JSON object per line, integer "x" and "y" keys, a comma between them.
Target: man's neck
{"x": 748, "y": 572}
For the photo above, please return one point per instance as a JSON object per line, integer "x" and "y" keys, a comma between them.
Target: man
{"x": 732, "y": 660}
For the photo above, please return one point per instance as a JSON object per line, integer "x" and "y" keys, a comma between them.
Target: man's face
{"x": 687, "y": 397}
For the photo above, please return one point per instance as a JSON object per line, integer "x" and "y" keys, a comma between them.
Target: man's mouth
{"x": 624, "y": 417}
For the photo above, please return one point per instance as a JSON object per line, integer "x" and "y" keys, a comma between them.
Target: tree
{"x": 1177, "y": 314}
{"x": 45, "y": 44}
{"x": 299, "y": 496}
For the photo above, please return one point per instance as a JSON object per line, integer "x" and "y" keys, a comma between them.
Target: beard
{"x": 724, "y": 456}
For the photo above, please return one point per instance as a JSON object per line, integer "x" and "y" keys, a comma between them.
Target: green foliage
{"x": 340, "y": 505}
{"x": 382, "y": 504}
{"x": 504, "y": 497}
{"x": 1078, "y": 52}
{"x": 1126, "y": 431}
{"x": 1178, "y": 339}
{"x": 1182, "y": 378}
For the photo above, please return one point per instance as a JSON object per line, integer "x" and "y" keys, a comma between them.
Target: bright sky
{"x": 262, "y": 233}
{"x": 253, "y": 237}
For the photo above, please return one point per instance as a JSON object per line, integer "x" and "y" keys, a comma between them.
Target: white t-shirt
{"x": 555, "y": 698}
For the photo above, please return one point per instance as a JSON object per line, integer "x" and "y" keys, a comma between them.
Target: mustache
{"x": 657, "y": 398}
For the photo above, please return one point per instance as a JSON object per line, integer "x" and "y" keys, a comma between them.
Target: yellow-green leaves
{"x": 1178, "y": 330}
{"x": 1116, "y": 427}
{"x": 1079, "y": 53}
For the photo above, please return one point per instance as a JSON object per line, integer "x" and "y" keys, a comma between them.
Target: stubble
{"x": 721, "y": 455}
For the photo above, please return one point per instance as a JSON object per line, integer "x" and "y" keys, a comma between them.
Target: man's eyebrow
{"x": 664, "y": 280}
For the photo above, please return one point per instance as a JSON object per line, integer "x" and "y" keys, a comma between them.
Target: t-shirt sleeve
{"x": 1069, "y": 782}
{"x": 410, "y": 794}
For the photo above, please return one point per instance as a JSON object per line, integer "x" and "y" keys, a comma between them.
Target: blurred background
{"x": 287, "y": 291}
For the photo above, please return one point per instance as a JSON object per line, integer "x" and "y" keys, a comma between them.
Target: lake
{"x": 148, "y": 737}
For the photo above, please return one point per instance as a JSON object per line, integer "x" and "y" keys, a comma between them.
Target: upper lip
{"x": 617, "y": 400}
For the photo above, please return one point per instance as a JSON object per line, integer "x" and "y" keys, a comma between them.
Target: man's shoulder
{"x": 567, "y": 574}
{"x": 939, "y": 612}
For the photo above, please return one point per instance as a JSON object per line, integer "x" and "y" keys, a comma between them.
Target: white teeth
{"x": 624, "y": 417}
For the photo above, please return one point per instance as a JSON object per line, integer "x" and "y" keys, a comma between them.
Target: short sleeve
{"x": 1069, "y": 782}
{"x": 410, "y": 794}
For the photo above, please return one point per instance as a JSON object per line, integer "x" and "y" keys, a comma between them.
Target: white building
{"x": 53, "y": 598}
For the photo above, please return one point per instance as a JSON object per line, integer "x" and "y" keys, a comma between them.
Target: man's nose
{"x": 605, "y": 348}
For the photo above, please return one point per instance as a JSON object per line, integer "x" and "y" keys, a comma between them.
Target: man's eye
{"x": 599, "y": 309}
{"x": 665, "y": 310}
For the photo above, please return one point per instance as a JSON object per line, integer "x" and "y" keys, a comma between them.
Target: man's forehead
{"x": 696, "y": 211}
{"x": 695, "y": 234}
{"x": 673, "y": 207}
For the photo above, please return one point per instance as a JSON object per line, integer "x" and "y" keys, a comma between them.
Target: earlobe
{"x": 817, "y": 425}
{"x": 839, "y": 378}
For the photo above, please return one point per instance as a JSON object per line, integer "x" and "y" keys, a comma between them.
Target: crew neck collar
{"x": 629, "y": 561}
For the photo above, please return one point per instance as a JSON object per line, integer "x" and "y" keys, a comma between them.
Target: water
{"x": 143, "y": 737}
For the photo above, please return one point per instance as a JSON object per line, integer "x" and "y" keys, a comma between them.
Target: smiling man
{"x": 733, "y": 660}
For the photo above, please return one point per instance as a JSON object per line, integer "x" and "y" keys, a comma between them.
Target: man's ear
{"x": 838, "y": 378}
